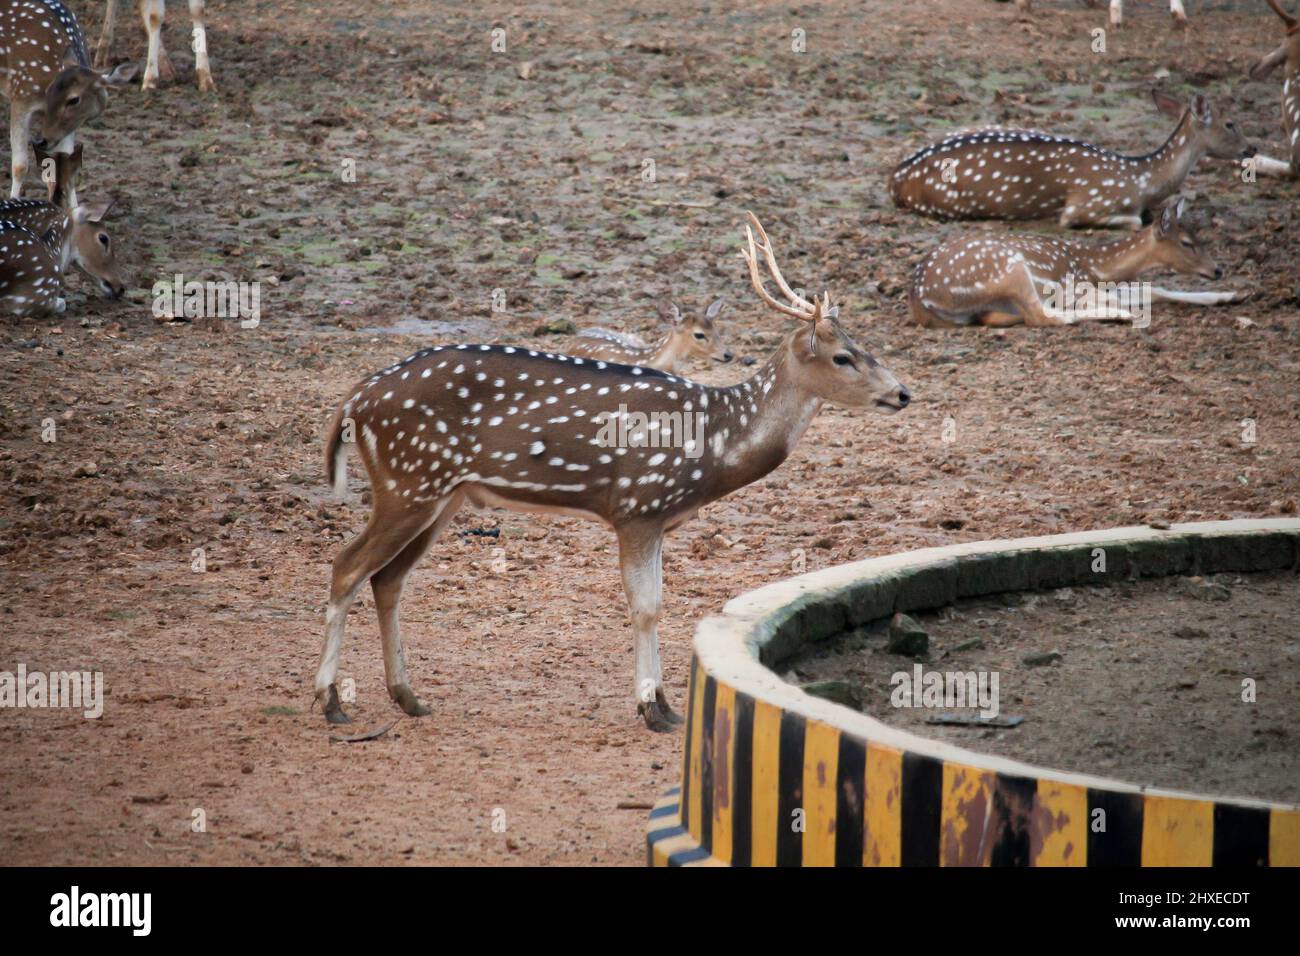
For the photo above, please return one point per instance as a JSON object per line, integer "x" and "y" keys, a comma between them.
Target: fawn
{"x": 689, "y": 338}
{"x": 505, "y": 426}
{"x": 999, "y": 173}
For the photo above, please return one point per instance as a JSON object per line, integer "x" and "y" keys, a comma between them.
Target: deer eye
{"x": 103, "y": 239}
{"x": 1231, "y": 126}
{"x": 842, "y": 358}
{"x": 700, "y": 336}
{"x": 73, "y": 100}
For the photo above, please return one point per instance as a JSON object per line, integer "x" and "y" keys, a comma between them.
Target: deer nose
{"x": 727, "y": 356}
{"x": 1251, "y": 151}
{"x": 904, "y": 396}
{"x": 1218, "y": 272}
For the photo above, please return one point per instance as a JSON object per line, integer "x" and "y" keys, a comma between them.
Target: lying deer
{"x": 689, "y": 338}
{"x": 158, "y": 64}
{"x": 38, "y": 241}
{"x": 1117, "y": 11}
{"x": 1288, "y": 53}
{"x": 1006, "y": 280}
{"x": 48, "y": 77}
{"x": 999, "y": 173}
{"x": 531, "y": 431}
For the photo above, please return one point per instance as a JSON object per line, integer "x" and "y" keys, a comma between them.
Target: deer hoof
{"x": 411, "y": 705}
{"x": 333, "y": 709}
{"x": 205, "y": 83}
{"x": 659, "y": 715}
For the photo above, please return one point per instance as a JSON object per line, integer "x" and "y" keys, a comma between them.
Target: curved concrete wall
{"x": 762, "y": 755}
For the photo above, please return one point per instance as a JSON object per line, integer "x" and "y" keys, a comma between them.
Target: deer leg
{"x": 20, "y": 134}
{"x": 152, "y": 13}
{"x": 1021, "y": 292}
{"x": 1178, "y": 13}
{"x": 1116, "y": 13}
{"x": 387, "y": 585}
{"x": 382, "y": 540}
{"x": 640, "y": 558}
{"x": 105, "y": 45}
{"x": 1196, "y": 298}
{"x": 202, "y": 69}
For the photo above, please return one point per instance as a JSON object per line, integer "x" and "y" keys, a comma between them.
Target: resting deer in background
{"x": 504, "y": 426}
{"x": 997, "y": 173}
{"x": 1117, "y": 11}
{"x": 1006, "y": 280}
{"x": 689, "y": 338}
{"x": 158, "y": 64}
{"x": 1288, "y": 53}
{"x": 48, "y": 78}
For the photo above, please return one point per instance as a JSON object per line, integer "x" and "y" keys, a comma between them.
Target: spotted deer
{"x": 693, "y": 337}
{"x": 997, "y": 173}
{"x": 51, "y": 88}
{"x": 1288, "y": 53}
{"x": 39, "y": 240}
{"x": 1116, "y": 17}
{"x": 157, "y": 64}
{"x": 1001, "y": 280}
{"x": 636, "y": 448}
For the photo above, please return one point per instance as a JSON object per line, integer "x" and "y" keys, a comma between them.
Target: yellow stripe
{"x": 964, "y": 835}
{"x": 724, "y": 770}
{"x": 1059, "y": 835}
{"x": 821, "y": 752}
{"x": 1177, "y": 832}
{"x": 1284, "y": 838}
{"x": 666, "y": 848}
{"x": 766, "y": 783}
{"x": 696, "y": 796}
{"x": 882, "y": 816}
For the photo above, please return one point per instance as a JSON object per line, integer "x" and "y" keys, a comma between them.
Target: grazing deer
{"x": 158, "y": 64}
{"x": 1288, "y": 53}
{"x": 997, "y": 173}
{"x": 689, "y": 338}
{"x": 39, "y": 240}
{"x": 48, "y": 77}
{"x": 1006, "y": 280}
{"x": 532, "y": 431}
{"x": 1117, "y": 11}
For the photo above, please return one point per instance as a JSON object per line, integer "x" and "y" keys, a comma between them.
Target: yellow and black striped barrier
{"x": 774, "y": 777}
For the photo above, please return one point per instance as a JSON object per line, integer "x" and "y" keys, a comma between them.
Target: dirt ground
{"x": 526, "y": 171}
{"x": 1142, "y": 682}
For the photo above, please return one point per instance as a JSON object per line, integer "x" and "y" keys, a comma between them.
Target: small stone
{"x": 556, "y": 327}
{"x": 975, "y": 645}
{"x": 1042, "y": 660}
{"x": 86, "y": 470}
{"x": 906, "y": 637}
{"x": 1204, "y": 590}
{"x": 836, "y": 691}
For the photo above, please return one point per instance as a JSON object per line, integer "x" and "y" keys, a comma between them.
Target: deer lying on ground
{"x": 635, "y": 448}
{"x": 48, "y": 78}
{"x": 1288, "y": 53}
{"x": 998, "y": 280}
{"x": 689, "y": 338}
{"x": 997, "y": 173}
{"x": 1117, "y": 11}
{"x": 158, "y": 64}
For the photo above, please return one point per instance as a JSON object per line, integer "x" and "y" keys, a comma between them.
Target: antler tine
{"x": 751, "y": 259}
{"x": 770, "y": 255}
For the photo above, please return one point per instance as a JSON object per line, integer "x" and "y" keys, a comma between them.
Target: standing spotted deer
{"x": 696, "y": 336}
{"x": 1288, "y": 53}
{"x": 51, "y": 88}
{"x": 997, "y": 173}
{"x": 1117, "y": 11}
{"x": 158, "y": 64}
{"x": 1000, "y": 280}
{"x": 526, "y": 430}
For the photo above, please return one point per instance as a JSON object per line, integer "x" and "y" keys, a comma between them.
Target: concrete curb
{"x": 760, "y": 753}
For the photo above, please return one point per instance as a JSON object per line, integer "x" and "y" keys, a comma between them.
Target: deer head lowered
{"x": 635, "y": 448}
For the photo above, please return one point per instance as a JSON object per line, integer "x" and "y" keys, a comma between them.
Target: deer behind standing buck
{"x": 158, "y": 64}
{"x": 997, "y": 173}
{"x": 693, "y": 336}
{"x": 532, "y": 431}
{"x": 48, "y": 79}
{"x": 1288, "y": 53}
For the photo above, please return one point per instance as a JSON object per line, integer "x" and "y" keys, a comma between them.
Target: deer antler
{"x": 1289, "y": 20}
{"x": 800, "y": 308}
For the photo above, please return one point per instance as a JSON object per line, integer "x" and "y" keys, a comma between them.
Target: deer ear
{"x": 1267, "y": 64}
{"x": 1167, "y": 218}
{"x": 674, "y": 314}
{"x": 1179, "y": 207}
{"x": 1167, "y": 104}
{"x": 70, "y": 58}
{"x": 121, "y": 75}
{"x": 92, "y": 213}
{"x": 833, "y": 312}
{"x": 1201, "y": 109}
{"x": 714, "y": 308}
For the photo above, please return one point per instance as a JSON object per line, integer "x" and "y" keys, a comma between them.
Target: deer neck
{"x": 754, "y": 426}
{"x": 669, "y": 353}
{"x": 1169, "y": 165}
{"x": 1122, "y": 259}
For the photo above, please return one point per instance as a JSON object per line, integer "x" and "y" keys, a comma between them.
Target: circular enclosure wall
{"x": 760, "y": 753}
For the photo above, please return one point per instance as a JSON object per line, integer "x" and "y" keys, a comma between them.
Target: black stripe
{"x": 742, "y": 793}
{"x": 1013, "y": 804}
{"x": 850, "y": 800}
{"x": 1121, "y": 842}
{"x": 1240, "y": 835}
{"x": 922, "y": 810}
{"x": 691, "y": 731}
{"x": 789, "y": 842}
{"x": 706, "y": 764}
